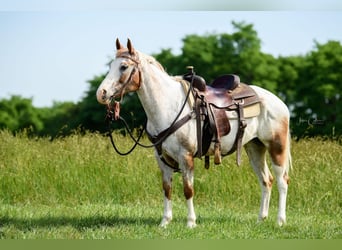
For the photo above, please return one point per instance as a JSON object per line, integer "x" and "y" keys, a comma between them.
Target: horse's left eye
{"x": 123, "y": 67}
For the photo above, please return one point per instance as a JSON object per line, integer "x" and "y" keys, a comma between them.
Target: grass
{"x": 77, "y": 188}
{"x": 115, "y": 221}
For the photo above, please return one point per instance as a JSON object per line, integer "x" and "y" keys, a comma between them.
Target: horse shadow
{"x": 80, "y": 224}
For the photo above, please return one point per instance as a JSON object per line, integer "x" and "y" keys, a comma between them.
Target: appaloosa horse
{"x": 162, "y": 98}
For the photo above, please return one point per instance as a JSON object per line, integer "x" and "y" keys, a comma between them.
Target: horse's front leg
{"x": 188, "y": 180}
{"x": 167, "y": 173}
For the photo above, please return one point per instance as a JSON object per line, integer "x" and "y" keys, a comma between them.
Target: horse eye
{"x": 123, "y": 67}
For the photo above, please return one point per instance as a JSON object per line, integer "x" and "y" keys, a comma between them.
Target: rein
{"x": 113, "y": 114}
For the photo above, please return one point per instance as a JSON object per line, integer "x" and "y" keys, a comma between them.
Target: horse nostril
{"x": 104, "y": 93}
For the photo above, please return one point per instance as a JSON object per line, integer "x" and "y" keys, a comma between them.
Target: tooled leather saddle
{"x": 212, "y": 102}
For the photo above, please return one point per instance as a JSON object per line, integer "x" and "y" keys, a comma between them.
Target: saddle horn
{"x": 130, "y": 47}
{"x": 118, "y": 44}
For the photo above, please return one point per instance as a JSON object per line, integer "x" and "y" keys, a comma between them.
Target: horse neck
{"x": 162, "y": 98}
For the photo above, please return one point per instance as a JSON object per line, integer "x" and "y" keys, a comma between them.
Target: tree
{"x": 60, "y": 119}
{"x": 216, "y": 54}
{"x": 318, "y": 90}
{"x": 92, "y": 114}
{"x": 18, "y": 113}
{"x": 310, "y": 85}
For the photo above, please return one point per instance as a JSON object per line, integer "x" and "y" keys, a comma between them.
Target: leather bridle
{"x": 130, "y": 78}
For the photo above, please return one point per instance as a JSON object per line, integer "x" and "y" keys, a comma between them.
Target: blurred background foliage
{"x": 309, "y": 84}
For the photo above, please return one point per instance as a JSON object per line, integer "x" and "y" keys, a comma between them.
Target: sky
{"x": 49, "y": 55}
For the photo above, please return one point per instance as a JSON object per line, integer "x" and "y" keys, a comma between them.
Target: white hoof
{"x": 262, "y": 218}
{"x": 191, "y": 224}
{"x": 165, "y": 222}
{"x": 281, "y": 221}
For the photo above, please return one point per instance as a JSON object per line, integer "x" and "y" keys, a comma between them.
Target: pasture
{"x": 77, "y": 188}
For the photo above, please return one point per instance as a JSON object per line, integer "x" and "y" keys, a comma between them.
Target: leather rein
{"x": 113, "y": 114}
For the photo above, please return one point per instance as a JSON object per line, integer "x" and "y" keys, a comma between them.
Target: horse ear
{"x": 118, "y": 44}
{"x": 130, "y": 47}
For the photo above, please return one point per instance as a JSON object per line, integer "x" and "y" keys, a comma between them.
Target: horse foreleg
{"x": 167, "y": 187}
{"x": 188, "y": 180}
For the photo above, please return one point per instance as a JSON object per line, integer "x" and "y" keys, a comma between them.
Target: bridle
{"x": 113, "y": 114}
{"x": 130, "y": 78}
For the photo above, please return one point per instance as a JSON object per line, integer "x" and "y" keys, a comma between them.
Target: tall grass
{"x": 77, "y": 187}
{"x": 73, "y": 170}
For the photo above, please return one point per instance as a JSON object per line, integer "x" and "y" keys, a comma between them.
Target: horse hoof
{"x": 165, "y": 222}
{"x": 191, "y": 224}
{"x": 281, "y": 222}
{"x": 261, "y": 219}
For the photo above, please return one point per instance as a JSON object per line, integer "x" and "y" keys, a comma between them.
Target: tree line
{"x": 309, "y": 84}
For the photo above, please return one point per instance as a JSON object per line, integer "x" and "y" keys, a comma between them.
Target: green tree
{"x": 216, "y": 54}
{"x": 318, "y": 90}
{"x": 18, "y": 113}
{"x": 92, "y": 115}
{"x": 309, "y": 84}
{"x": 60, "y": 119}
{"x": 290, "y": 69}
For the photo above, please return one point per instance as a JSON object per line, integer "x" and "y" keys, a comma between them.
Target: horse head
{"x": 124, "y": 75}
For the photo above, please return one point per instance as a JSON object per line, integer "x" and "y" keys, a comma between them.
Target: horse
{"x": 162, "y": 97}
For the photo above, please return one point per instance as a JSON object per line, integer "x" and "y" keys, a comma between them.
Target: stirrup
{"x": 217, "y": 151}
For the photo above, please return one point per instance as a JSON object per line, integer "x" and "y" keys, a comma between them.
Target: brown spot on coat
{"x": 167, "y": 190}
{"x": 189, "y": 161}
{"x": 187, "y": 185}
{"x": 286, "y": 178}
{"x": 268, "y": 183}
{"x": 188, "y": 190}
{"x": 184, "y": 141}
{"x": 278, "y": 144}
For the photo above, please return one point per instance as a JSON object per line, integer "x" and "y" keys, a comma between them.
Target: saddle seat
{"x": 227, "y": 82}
{"x": 220, "y": 98}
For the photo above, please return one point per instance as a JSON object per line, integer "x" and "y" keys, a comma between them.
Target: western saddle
{"x": 212, "y": 102}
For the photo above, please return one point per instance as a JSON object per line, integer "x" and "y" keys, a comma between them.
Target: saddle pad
{"x": 248, "y": 111}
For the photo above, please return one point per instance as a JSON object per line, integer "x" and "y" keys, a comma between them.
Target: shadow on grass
{"x": 78, "y": 223}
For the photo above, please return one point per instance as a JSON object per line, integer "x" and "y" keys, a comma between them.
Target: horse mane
{"x": 152, "y": 60}
{"x": 149, "y": 59}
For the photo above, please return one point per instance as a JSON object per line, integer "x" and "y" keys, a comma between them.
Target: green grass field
{"x": 77, "y": 187}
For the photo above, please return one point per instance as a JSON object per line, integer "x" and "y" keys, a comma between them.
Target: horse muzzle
{"x": 102, "y": 96}
{"x": 105, "y": 97}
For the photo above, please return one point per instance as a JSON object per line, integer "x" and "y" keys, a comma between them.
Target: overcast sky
{"x": 50, "y": 55}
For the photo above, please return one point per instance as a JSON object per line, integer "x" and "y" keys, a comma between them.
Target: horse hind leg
{"x": 279, "y": 149}
{"x": 256, "y": 152}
